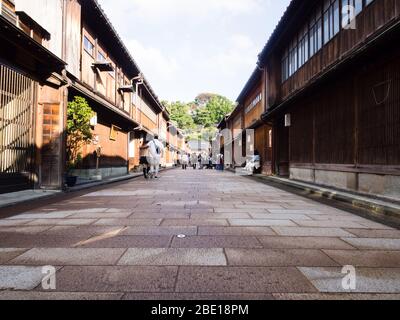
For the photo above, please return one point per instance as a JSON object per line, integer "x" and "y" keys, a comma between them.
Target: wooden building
{"x": 56, "y": 50}
{"x": 245, "y": 132}
{"x": 101, "y": 69}
{"x": 333, "y": 94}
{"x": 32, "y": 100}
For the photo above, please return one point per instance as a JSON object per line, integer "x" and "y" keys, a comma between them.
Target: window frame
{"x": 323, "y": 25}
{"x": 86, "y": 41}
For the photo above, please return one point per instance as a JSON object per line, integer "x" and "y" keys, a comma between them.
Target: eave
{"x": 389, "y": 33}
{"x": 45, "y": 59}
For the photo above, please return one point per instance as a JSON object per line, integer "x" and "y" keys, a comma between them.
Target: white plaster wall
{"x": 385, "y": 185}
{"x": 341, "y": 180}
{"x": 302, "y": 174}
{"x": 49, "y": 14}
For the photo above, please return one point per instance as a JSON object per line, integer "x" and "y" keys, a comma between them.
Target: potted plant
{"x": 79, "y": 133}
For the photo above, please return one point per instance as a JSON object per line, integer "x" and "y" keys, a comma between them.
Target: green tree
{"x": 180, "y": 114}
{"x": 214, "y": 111}
{"x": 219, "y": 107}
{"x": 203, "y": 98}
{"x": 79, "y": 130}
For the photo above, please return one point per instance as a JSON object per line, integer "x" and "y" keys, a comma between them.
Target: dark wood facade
{"x": 343, "y": 101}
{"x": 379, "y": 15}
{"x": 31, "y": 103}
{"x": 246, "y": 132}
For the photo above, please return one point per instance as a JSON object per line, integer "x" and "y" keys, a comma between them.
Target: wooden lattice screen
{"x": 17, "y": 95}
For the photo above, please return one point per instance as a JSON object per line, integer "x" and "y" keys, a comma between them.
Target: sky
{"x": 187, "y": 47}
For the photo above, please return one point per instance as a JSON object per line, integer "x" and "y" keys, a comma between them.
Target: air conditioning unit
{"x": 288, "y": 120}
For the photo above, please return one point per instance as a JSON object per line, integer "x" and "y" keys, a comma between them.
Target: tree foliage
{"x": 200, "y": 117}
{"x": 180, "y": 114}
{"x": 79, "y": 130}
{"x": 214, "y": 111}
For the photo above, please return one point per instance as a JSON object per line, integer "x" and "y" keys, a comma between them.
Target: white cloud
{"x": 185, "y": 47}
{"x": 153, "y": 59}
{"x": 242, "y": 41}
{"x": 238, "y": 54}
{"x": 171, "y": 8}
{"x": 158, "y": 68}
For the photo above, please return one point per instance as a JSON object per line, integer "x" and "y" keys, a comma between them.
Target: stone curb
{"x": 76, "y": 189}
{"x": 384, "y": 211}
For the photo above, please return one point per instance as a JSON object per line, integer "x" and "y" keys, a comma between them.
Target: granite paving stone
{"x": 69, "y": 296}
{"x": 216, "y": 242}
{"x": 374, "y": 243}
{"x": 41, "y": 240}
{"x": 311, "y": 232}
{"x": 173, "y": 256}
{"x": 194, "y": 222}
{"x": 242, "y": 279}
{"x": 374, "y": 233}
{"x": 336, "y": 296}
{"x": 236, "y": 231}
{"x": 368, "y": 280}
{"x": 278, "y": 257}
{"x": 330, "y": 224}
{"x": 280, "y": 216}
{"x": 127, "y": 242}
{"x": 7, "y": 254}
{"x": 69, "y": 256}
{"x": 195, "y": 234}
{"x": 160, "y": 231}
{"x": 13, "y": 222}
{"x": 61, "y": 222}
{"x": 304, "y": 243}
{"x": 33, "y": 216}
{"x": 365, "y": 258}
{"x": 128, "y": 222}
{"x": 20, "y": 277}
{"x": 116, "y": 279}
{"x": 261, "y": 222}
{"x": 174, "y": 296}
{"x": 21, "y": 230}
{"x": 101, "y": 215}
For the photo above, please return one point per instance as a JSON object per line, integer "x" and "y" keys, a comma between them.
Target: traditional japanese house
{"x": 100, "y": 69}
{"x": 255, "y": 133}
{"x": 244, "y": 132}
{"x": 333, "y": 94}
{"x": 32, "y": 100}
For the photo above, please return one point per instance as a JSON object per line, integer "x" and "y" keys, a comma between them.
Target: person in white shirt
{"x": 254, "y": 163}
{"x": 194, "y": 160}
{"x": 156, "y": 149}
{"x": 185, "y": 161}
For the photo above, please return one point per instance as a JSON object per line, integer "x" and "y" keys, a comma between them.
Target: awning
{"x": 82, "y": 89}
{"x": 13, "y": 37}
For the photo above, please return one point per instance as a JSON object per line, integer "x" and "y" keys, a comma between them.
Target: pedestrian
{"x": 194, "y": 160}
{"x": 199, "y": 162}
{"x": 179, "y": 159}
{"x": 254, "y": 163}
{"x": 185, "y": 161}
{"x": 210, "y": 162}
{"x": 156, "y": 150}
{"x": 143, "y": 158}
{"x": 220, "y": 162}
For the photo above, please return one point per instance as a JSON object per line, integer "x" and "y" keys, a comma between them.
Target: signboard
{"x": 114, "y": 132}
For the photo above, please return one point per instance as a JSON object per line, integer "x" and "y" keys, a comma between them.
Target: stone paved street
{"x": 243, "y": 240}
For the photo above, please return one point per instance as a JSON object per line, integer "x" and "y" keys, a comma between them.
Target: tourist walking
{"x": 185, "y": 161}
{"x": 193, "y": 160}
{"x": 143, "y": 158}
{"x": 156, "y": 151}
